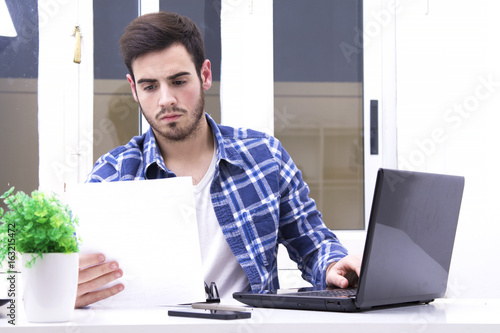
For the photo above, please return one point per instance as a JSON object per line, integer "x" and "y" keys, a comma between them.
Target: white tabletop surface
{"x": 445, "y": 315}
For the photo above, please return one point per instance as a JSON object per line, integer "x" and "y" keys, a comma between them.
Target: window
{"x": 239, "y": 36}
{"x": 18, "y": 98}
{"x": 318, "y": 110}
{"x": 116, "y": 115}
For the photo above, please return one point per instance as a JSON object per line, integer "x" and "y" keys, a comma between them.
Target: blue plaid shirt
{"x": 259, "y": 199}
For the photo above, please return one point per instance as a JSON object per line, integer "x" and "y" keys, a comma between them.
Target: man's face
{"x": 169, "y": 91}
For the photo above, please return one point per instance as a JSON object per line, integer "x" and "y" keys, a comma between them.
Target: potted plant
{"x": 42, "y": 230}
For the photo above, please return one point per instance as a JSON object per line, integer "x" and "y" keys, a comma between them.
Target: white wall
{"x": 448, "y": 101}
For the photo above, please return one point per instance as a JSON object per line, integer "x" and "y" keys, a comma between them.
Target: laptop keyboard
{"x": 351, "y": 292}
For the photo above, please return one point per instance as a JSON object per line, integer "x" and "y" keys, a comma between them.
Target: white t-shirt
{"x": 219, "y": 263}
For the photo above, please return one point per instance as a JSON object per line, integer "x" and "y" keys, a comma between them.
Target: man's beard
{"x": 175, "y": 133}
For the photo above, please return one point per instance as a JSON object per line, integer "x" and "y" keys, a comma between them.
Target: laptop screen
{"x": 410, "y": 239}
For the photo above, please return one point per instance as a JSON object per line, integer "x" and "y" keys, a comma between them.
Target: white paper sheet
{"x": 150, "y": 228}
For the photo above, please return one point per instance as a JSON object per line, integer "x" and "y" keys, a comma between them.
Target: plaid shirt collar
{"x": 154, "y": 163}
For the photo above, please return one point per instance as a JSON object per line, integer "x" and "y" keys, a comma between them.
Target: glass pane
{"x": 18, "y": 99}
{"x": 318, "y": 73}
{"x": 206, "y": 14}
{"x": 116, "y": 114}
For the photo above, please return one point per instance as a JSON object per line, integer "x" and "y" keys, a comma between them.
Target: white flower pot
{"x": 50, "y": 287}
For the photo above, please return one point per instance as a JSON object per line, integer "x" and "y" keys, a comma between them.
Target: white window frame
{"x": 65, "y": 93}
{"x": 379, "y": 83}
{"x": 145, "y": 7}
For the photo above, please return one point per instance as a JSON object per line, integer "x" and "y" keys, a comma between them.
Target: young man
{"x": 249, "y": 194}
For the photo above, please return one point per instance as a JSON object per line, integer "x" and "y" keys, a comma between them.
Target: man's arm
{"x": 302, "y": 230}
{"x": 344, "y": 273}
{"x": 95, "y": 273}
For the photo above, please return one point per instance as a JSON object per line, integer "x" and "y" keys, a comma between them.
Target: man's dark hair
{"x": 155, "y": 32}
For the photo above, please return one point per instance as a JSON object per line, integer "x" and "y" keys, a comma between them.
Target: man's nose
{"x": 167, "y": 97}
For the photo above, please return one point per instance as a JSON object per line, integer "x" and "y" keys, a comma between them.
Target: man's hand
{"x": 344, "y": 273}
{"x": 95, "y": 273}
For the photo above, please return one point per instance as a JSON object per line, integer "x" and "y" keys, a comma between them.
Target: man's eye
{"x": 149, "y": 88}
{"x": 178, "y": 83}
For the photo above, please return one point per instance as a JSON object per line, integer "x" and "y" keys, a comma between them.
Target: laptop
{"x": 407, "y": 252}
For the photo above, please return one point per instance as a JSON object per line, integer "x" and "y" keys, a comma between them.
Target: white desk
{"x": 441, "y": 316}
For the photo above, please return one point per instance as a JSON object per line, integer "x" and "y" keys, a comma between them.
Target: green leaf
{"x": 7, "y": 193}
{"x": 38, "y": 224}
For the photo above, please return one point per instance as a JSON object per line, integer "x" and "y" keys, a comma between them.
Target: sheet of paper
{"x": 150, "y": 228}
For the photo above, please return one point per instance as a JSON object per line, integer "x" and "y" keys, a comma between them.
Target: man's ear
{"x": 132, "y": 86}
{"x": 206, "y": 74}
